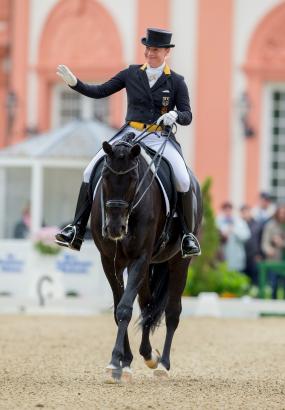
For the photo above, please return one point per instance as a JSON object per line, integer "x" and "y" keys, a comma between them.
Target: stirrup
{"x": 186, "y": 254}
{"x": 61, "y": 243}
{"x": 76, "y": 241}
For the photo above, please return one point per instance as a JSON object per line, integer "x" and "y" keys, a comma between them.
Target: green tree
{"x": 207, "y": 273}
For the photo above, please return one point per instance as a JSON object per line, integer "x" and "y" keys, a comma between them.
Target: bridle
{"x": 118, "y": 203}
{"x": 119, "y": 172}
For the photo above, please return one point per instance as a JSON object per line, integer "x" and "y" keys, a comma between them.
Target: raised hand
{"x": 66, "y": 74}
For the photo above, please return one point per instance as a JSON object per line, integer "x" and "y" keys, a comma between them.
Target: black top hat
{"x": 157, "y": 38}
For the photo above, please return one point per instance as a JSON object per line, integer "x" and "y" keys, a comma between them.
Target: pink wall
{"x": 19, "y": 56}
{"x": 92, "y": 49}
{"x": 265, "y": 63}
{"x": 14, "y": 34}
{"x": 2, "y": 113}
{"x": 4, "y": 40}
{"x": 4, "y": 9}
{"x": 151, "y": 14}
{"x": 213, "y": 95}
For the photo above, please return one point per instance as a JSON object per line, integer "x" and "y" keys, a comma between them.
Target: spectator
{"x": 22, "y": 227}
{"x": 262, "y": 214}
{"x": 234, "y": 233}
{"x": 273, "y": 244}
{"x": 265, "y": 208}
{"x": 252, "y": 245}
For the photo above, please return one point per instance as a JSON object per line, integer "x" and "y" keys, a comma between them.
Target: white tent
{"x": 45, "y": 171}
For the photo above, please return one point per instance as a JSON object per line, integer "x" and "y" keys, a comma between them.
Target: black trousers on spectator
{"x": 274, "y": 280}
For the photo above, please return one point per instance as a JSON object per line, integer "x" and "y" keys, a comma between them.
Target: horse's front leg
{"x": 117, "y": 286}
{"x": 136, "y": 272}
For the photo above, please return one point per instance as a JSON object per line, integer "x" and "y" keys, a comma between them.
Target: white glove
{"x": 65, "y": 73}
{"x": 168, "y": 119}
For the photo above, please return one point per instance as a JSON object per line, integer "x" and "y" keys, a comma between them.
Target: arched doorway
{"x": 265, "y": 70}
{"x": 82, "y": 35}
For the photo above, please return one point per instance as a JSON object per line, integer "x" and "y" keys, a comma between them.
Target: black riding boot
{"x": 72, "y": 235}
{"x": 189, "y": 244}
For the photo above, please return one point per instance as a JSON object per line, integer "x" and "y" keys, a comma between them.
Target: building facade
{"x": 231, "y": 53}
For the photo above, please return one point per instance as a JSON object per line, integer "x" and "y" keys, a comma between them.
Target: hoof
{"x": 113, "y": 374}
{"x": 152, "y": 363}
{"x": 127, "y": 375}
{"x": 161, "y": 372}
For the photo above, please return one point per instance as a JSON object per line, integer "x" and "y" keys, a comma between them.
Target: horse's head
{"x": 119, "y": 182}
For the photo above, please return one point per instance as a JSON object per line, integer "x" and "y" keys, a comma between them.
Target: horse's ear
{"x": 135, "y": 151}
{"x": 107, "y": 148}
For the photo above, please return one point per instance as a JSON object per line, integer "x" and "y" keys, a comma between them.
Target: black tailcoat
{"x": 145, "y": 104}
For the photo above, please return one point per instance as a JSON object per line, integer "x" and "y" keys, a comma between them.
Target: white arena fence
{"x": 70, "y": 279}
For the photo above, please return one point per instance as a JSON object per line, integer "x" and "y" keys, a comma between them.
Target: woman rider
{"x": 155, "y": 94}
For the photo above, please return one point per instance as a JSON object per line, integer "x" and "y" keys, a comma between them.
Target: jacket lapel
{"x": 159, "y": 82}
{"x": 162, "y": 79}
{"x": 144, "y": 80}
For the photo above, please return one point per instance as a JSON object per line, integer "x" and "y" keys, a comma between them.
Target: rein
{"x": 159, "y": 153}
{"x": 120, "y": 203}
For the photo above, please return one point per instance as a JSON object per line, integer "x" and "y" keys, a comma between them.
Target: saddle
{"x": 165, "y": 174}
{"x": 165, "y": 178}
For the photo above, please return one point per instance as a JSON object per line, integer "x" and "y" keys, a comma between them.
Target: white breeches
{"x": 182, "y": 180}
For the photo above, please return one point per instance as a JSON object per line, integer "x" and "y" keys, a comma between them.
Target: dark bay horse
{"x": 127, "y": 218}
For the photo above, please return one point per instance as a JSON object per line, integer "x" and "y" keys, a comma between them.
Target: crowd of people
{"x": 252, "y": 235}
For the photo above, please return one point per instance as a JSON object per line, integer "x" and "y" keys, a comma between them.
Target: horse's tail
{"x": 152, "y": 314}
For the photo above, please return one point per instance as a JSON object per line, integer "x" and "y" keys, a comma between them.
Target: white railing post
{"x": 36, "y": 197}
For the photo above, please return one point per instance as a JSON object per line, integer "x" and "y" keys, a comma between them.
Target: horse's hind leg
{"x": 151, "y": 357}
{"x": 177, "y": 279}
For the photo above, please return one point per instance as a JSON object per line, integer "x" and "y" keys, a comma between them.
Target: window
{"x": 69, "y": 105}
{"x": 277, "y": 131}
{"x": 15, "y": 202}
{"x": 60, "y": 195}
{"x": 101, "y": 110}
